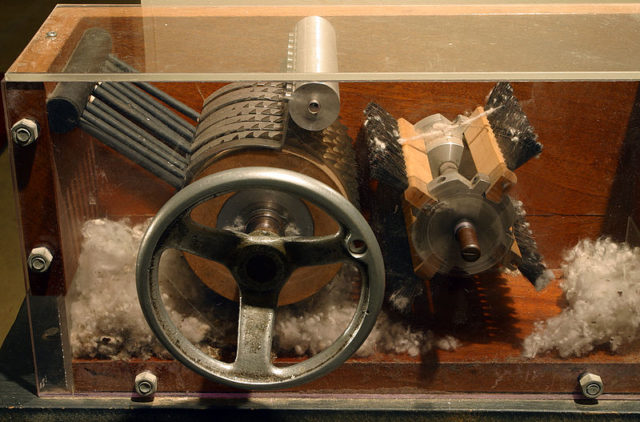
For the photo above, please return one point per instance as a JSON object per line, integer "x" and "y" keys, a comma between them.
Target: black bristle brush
{"x": 515, "y": 135}
{"x": 532, "y": 265}
{"x": 386, "y": 165}
{"x": 386, "y": 160}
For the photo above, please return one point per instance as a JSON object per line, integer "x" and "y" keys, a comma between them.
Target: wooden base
{"x": 500, "y": 312}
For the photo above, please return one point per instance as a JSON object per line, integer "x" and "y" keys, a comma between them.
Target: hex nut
{"x": 146, "y": 383}
{"x": 591, "y": 385}
{"x": 25, "y": 132}
{"x": 40, "y": 259}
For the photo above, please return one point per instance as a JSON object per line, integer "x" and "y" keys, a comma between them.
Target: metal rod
{"x": 159, "y": 94}
{"x": 157, "y": 143}
{"x": 467, "y": 237}
{"x": 134, "y": 136}
{"x": 266, "y": 220}
{"x": 144, "y": 100}
{"x": 129, "y": 153}
{"x": 143, "y": 119}
{"x": 134, "y": 94}
{"x": 156, "y": 108}
{"x": 138, "y": 148}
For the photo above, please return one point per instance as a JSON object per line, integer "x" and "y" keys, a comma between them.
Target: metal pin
{"x": 145, "y": 101}
{"x": 467, "y": 237}
{"x": 146, "y": 140}
{"x": 131, "y": 97}
{"x": 131, "y": 154}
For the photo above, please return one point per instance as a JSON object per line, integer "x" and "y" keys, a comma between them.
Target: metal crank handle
{"x": 261, "y": 262}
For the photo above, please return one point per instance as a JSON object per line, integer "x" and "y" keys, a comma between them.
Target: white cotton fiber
{"x": 602, "y": 288}
{"x": 309, "y": 327}
{"x": 105, "y": 316}
{"x": 106, "y": 320}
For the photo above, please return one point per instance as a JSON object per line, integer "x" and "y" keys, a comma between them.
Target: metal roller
{"x": 314, "y": 105}
{"x": 247, "y": 124}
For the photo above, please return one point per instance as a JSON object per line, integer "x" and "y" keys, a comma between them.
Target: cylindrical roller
{"x": 325, "y": 155}
{"x": 443, "y": 143}
{"x": 315, "y": 105}
{"x": 67, "y": 101}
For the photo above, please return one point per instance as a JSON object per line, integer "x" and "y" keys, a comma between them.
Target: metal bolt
{"x": 40, "y": 259}
{"x": 591, "y": 385}
{"x": 52, "y": 34}
{"x": 467, "y": 237}
{"x": 146, "y": 383}
{"x": 25, "y": 132}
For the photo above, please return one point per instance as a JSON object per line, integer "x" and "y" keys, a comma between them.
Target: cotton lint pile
{"x": 602, "y": 289}
{"x": 107, "y": 323}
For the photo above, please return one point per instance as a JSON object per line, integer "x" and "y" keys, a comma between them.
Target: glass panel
{"x": 512, "y": 42}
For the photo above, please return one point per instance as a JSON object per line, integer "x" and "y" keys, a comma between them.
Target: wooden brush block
{"x": 417, "y": 164}
{"x": 488, "y": 157}
{"x": 416, "y": 195}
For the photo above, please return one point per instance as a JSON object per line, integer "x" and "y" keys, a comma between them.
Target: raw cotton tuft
{"x": 107, "y": 322}
{"x": 309, "y": 327}
{"x": 105, "y": 317}
{"x": 602, "y": 288}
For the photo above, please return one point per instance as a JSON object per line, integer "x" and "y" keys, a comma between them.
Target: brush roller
{"x": 447, "y": 185}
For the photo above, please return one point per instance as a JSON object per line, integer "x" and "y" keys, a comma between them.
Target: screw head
{"x": 591, "y": 385}
{"x": 357, "y": 246}
{"x": 52, "y": 34}
{"x": 146, "y": 383}
{"x": 40, "y": 259}
{"x": 25, "y": 132}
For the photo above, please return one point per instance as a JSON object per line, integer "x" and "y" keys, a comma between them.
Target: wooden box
{"x": 575, "y": 70}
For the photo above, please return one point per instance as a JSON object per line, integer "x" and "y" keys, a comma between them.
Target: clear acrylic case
{"x": 574, "y": 69}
